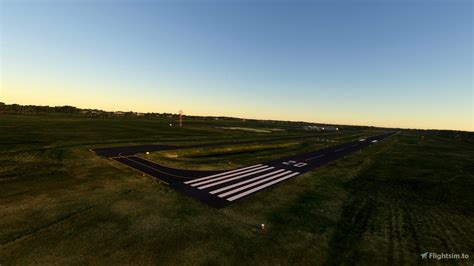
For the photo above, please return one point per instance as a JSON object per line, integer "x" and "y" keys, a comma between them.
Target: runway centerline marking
{"x": 315, "y": 157}
{"x": 338, "y": 150}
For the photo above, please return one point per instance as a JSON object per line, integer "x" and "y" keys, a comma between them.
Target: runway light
{"x": 171, "y": 125}
{"x": 147, "y": 152}
{"x": 263, "y": 226}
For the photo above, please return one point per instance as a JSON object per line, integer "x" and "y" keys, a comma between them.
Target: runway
{"x": 220, "y": 188}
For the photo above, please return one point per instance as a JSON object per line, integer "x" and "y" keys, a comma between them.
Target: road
{"x": 220, "y": 188}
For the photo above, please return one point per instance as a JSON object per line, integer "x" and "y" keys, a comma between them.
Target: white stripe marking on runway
{"x": 246, "y": 181}
{"x": 217, "y": 175}
{"x": 260, "y": 187}
{"x": 227, "y": 176}
{"x": 311, "y": 158}
{"x": 252, "y": 184}
{"x": 234, "y": 178}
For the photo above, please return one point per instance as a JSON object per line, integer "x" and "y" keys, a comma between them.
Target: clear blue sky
{"x": 385, "y": 63}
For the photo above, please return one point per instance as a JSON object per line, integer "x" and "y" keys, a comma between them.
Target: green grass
{"x": 60, "y": 203}
{"x": 231, "y": 156}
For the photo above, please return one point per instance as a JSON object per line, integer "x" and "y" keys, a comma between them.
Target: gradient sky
{"x": 385, "y": 63}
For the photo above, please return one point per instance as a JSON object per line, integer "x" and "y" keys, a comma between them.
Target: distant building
{"x": 324, "y": 128}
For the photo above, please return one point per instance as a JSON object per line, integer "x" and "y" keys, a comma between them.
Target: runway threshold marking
{"x": 238, "y": 183}
{"x": 241, "y": 182}
{"x": 234, "y": 178}
{"x": 246, "y": 181}
{"x": 248, "y": 192}
{"x": 221, "y": 174}
{"x": 227, "y": 176}
{"x": 253, "y": 184}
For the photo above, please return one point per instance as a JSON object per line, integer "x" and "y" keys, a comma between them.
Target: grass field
{"x": 60, "y": 203}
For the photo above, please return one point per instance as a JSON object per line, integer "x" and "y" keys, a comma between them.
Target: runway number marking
{"x": 294, "y": 163}
{"x": 300, "y": 164}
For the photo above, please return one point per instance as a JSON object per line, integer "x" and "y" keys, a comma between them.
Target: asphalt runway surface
{"x": 220, "y": 188}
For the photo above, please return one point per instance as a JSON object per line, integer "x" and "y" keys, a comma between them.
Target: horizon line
{"x": 246, "y": 118}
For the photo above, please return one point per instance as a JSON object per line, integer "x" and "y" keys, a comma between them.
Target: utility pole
{"x": 180, "y": 118}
